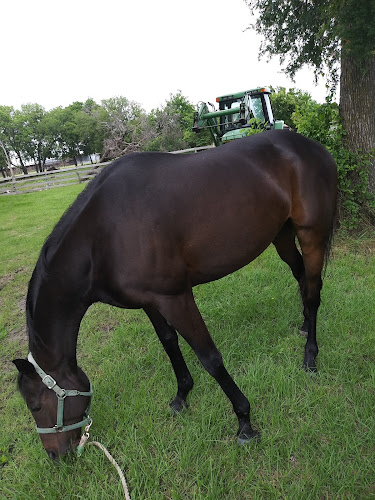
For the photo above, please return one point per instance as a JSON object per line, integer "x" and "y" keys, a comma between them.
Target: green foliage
{"x": 3, "y": 161}
{"x": 256, "y": 126}
{"x": 77, "y": 130}
{"x": 32, "y": 135}
{"x": 165, "y": 128}
{"x": 315, "y": 32}
{"x": 185, "y": 111}
{"x": 117, "y": 126}
{"x": 170, "y": 127}
{"x": 286, "y": 102}
{"x": 121, "y": 119}
{"x": 355, "y": 27}
{"x": 12, "y": 133}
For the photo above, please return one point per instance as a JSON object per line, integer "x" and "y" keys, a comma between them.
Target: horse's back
{"x": 210, "y": 213}
{"x": 273, "y": 175}
{"x": 156, "y": 221}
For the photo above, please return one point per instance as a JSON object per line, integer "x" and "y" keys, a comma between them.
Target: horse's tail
{"x": 335, "y": 224}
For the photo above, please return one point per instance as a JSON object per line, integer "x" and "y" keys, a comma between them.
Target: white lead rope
{"x": 84, "y": 438}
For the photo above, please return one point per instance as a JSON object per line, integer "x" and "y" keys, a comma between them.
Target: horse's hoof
{"x": 177, "y": 405}
{"x": 246, "y": 438}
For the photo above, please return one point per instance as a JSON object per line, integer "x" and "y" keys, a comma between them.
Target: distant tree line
{"x": 119, "y": 126}
{"x": 116, "y": 126}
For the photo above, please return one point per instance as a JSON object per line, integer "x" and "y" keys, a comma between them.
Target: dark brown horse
{"x": 149, "y": 228}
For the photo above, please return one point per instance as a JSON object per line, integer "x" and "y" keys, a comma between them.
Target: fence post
{"x": 10, "y": 167}
{"x": 79, "y": 178}
{"x": 46, "y": 176}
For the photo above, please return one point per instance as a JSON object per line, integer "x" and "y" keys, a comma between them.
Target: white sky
{"x": 54, "y": 53}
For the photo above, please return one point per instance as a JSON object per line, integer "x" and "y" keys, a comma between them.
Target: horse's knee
{"x": 313, "y": 286}
{"x": 170, "y": 342}
{"x": 186, "y": 383}
{"x": 212, "y": 362}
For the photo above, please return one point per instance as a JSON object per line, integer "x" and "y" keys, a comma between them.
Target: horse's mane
{"x": 41, "y": 272}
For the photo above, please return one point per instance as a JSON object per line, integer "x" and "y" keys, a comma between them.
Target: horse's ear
{"x": 24, "y": 366}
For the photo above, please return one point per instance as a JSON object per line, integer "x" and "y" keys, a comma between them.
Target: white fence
{"x": 48, "y": 179}
{"x": 59, "y": 178}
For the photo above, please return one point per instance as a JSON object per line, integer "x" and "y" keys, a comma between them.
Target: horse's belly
{"x": 215, "y": 257}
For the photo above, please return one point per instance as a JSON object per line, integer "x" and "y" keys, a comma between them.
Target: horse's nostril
{"x": 53, "y": 455}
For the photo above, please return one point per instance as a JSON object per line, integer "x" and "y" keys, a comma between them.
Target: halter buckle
{"x": 49, "y": 381}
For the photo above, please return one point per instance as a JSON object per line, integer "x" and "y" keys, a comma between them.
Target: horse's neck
{"x": 51, "y": 353}
{"x": 53, "y": 334}
{"x": 54, "y": 311}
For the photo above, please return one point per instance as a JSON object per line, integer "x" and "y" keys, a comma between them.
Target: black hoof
{"x": 177, "y": 405}
{"x": 246, "y": 438}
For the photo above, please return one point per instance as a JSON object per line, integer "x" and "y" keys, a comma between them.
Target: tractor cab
{"x": 237, "y": 113}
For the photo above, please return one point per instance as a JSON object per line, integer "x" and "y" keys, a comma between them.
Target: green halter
{"x": 61, "y": 394}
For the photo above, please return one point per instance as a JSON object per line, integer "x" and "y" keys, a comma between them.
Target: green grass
{"x": 318, "y": 438}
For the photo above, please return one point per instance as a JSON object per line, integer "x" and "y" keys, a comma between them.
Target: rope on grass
{"x": 113, "y": 461}
{"x": 110, "y": 458}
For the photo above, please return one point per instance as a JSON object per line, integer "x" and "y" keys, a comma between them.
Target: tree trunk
{"x": 22, "y": 165}
{"x": 357, "y": 107}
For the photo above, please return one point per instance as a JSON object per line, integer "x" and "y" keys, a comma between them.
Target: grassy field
{"x": 318, "y": 432}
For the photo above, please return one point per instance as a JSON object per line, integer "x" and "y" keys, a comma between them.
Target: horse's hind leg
{"x": 285, "y": 243}
{"x": 182, "y": 312}
{"x": 168, "y": 338}
{"x": 313, "y": 245}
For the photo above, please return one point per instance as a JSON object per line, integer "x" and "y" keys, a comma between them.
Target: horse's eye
{"x": 35, "y": 409}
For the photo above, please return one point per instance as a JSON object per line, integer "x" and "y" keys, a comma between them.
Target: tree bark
{"x": 357, "y": 107}
{"x": 22, "y": 165}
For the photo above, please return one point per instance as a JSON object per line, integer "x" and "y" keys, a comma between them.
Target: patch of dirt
{"x": 18, "y": 335}
{"x": 365, "y": 247}
{"x": 7, "y": 367}
{"x": 22, "y": 304}
{"x": 5, "y": 280}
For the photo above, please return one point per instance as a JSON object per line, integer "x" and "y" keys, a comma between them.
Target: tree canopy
{"x": 315, "y": 32}
{"x": 336, "y": 38}
{"x": 114, "y": 127}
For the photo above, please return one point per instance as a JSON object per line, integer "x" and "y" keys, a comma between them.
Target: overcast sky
{"x": 54, "y": 53}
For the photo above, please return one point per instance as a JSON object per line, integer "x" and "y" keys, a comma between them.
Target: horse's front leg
{"x": 168, "y": 337}
{"x": 182, "y": 312}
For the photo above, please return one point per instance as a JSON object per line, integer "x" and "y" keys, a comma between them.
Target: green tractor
{"x": 237, "y": 113}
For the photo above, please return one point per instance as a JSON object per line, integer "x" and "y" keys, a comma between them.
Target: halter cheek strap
{"x": 61, "y": 394}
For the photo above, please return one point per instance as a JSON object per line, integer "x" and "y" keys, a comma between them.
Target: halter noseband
{"x": 61, "y": 394}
